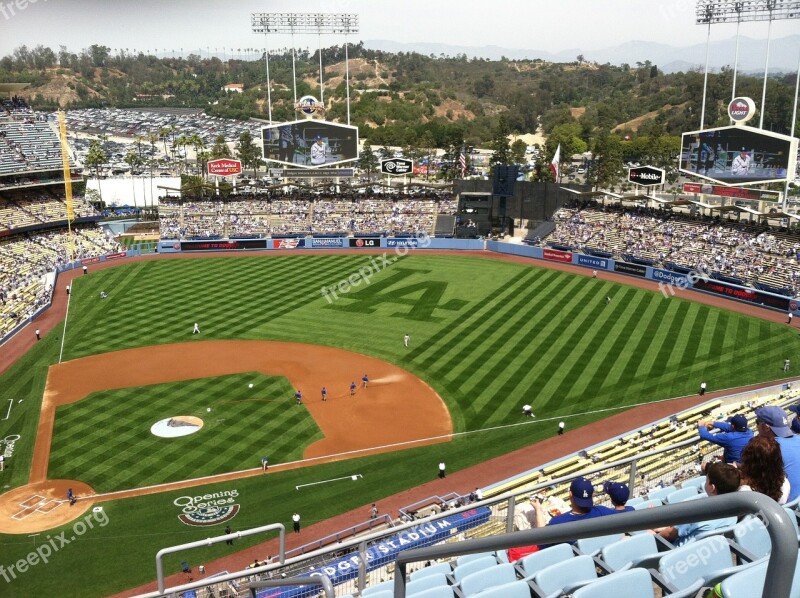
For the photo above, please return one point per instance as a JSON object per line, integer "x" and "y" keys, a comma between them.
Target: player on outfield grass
{"x": 298, "y": 397}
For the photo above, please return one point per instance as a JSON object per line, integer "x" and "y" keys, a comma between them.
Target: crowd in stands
{"x": 28, "y": 146}
{"x": 751, "y": 253}
{"x": 15, "y": 107}
{"x": 301, "y": 214}
{"x": 39, "y": 205}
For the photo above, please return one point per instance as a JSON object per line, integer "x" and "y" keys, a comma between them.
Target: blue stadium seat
{"x": 565, "y": 576}
{"x": 426, "y": 583}
{"x": 635, "y": 583}
{"x": 634, "y": 501}
{"x": 533, "y": 563}
{"x": 793, "y": 517}
{"x": 750, "y": 582}
{"x": 630, "y": 551}
{"x": 485, "y": 562}
{"x": 432, "y": 570}
{"x": 438, "y": 592}
{"x": 661, "y": 493}
{"x": 592, "y": 546}
{"x": 487, "y": 578}
{"x": 380, "y": 594}
{"x": 472, "y": 557}
{"x": 378, "y": 588}
{"x": 752, "y": 535}
{"x": 515, "y": 589}
{"x": 699, "y": 482}
{"x": 680, "y": 495}
{"x": 649, "y": 504}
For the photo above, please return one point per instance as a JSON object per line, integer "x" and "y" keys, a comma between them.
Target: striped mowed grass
{"x": 488, "y": 335}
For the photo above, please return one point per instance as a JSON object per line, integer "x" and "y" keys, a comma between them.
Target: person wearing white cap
{"x": 772, "y": 422}
{"x": 318, "y": 151}
{"x": 741, "y": 163}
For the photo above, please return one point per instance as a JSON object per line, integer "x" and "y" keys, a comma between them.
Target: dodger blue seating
{"x": 487, "y": 578}
{"x": 649, "y": 504}
{"x": 634, "y": 501}
{"x": 533, "y": 563}
{"x": 629, "y": 551}
{"x": 592, "y": 546}
{"x": 515, "y": 589}
{"x": 752, "y": 535}
{"x": 679, "y": 495}
{"x": 432, "y": 570}
{"x": 473, "y": 557}
{"x": 661, "y": 493}
{"x": 565, "y": 575}
{"x": 699, "y": 482}
{"x": 635, "y": 583}
{"x": 438, "y": 592}
{"x": 426, "y": 583}
{"x": 750, "y": 581}
{"x": 378, "y": 588}
{"x": 461, "y": 572}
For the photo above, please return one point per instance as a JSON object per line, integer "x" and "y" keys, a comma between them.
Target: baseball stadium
{"x": 329, "y": 388}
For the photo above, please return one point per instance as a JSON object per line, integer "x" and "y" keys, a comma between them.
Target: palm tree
{"x": 96, "y": 157}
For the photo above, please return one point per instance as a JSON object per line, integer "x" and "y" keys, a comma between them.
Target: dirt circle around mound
{"x": 352, "y": 425}
{"x": 43, "y": 505}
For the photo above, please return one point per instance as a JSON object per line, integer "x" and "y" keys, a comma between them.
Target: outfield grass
{"x": 488, "y": 336}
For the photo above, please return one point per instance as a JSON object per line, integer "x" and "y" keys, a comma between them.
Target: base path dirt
{"x": 43, "y": 505}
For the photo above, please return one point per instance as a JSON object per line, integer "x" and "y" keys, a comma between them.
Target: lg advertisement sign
{"x": 646, "y": 175}
{"x": 224, "y": 167}
{"x": 739, "y": 155}
{"x": 310, "y": 143}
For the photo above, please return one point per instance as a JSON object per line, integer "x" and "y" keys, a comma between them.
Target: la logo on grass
{"x": 208, "y": 509}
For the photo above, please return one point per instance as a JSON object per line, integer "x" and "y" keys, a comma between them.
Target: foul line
{"x": 64, "y": 331}
{"x": 10, "y": 405}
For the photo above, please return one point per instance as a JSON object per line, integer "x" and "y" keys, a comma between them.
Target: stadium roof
{"x": 12, "y": 87}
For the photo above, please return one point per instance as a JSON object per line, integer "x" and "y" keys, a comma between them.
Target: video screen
{"x": 738, "y": 155}
{"x": 310, "y": 143}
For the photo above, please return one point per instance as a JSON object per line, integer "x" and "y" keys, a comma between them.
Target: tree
{"x": 518, "y": 149}
{"x": 220, "y": 149}
{"x": 501, "y": 154}
{"x": 607, "y": 166}
{"x": 134, "y": 161}
{"x": 367, "y": 161}
{"x": 95, "y": 158}
{"x": 249, "y": 153}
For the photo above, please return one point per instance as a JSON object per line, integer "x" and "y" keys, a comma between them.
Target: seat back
{"x": 425, "y": 583}
{"x": 623, "y": 552}
{"x": 486, "y": 578}
{"x": 462, "y": 571}
{"x": 752, "y": 535}
{"x": 533, "y": 563}
{"x": 685, "y": 565}
{"x": 437, "y": 592}
{"x": 634, "y": 501}
{"x": 555, "y": 577}
{"x": 680, "y": 495}
{"x": 635, "y": 583}
{"x": 661, "y": 493}
{"x": 649, "y": 504}
{"x": 378, "y": 588}
{"x": 699, "y": 482}
{"x": 432, "y": 570}
{"x": 592, "y": 546}
{"x": 515, "y": 589}
{"x": 466, "y": 558}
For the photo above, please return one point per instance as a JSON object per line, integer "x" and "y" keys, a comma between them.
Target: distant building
{"x": 235, "y": 87}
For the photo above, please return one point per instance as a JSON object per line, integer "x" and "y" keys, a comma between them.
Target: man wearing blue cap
{"x": 795, "y": 426}
{"x": 619, "y": 495}
{"x": 581, "y": 505}
{"x": 733, "y": 437}
{"x": 773, "y": 423}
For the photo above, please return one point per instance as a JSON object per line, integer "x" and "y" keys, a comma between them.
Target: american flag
{"x": 462, "y": 162}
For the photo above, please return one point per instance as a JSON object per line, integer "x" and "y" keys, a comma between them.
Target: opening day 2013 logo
{"x": 208, "y": 509}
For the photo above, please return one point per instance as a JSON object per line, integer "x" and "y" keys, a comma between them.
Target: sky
{"x": 219, "y": 26}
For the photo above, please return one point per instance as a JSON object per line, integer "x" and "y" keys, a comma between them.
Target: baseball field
{"x": 486, "y": 337}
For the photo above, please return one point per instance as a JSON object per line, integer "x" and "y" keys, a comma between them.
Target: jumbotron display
{"x": 310, "y": 143}
{"x": 739, "y": 155}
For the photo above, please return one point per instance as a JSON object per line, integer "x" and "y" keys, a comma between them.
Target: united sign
{"x": 224, "y": 167}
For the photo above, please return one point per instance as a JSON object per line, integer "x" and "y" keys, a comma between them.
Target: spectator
{"x": 795, "y": 426}
{"x": 581, "y": 505}
{"x": 762, "y": 469}
{"x": 721, "y": 478}
{"x": 773, "y": 423}
{"x": 619, "y": 495}
{"x": 733, "y": 437}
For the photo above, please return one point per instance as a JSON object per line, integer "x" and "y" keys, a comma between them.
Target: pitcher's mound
{"x": 174, "y": 427}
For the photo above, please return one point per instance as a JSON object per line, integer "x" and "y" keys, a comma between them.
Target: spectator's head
{"x": 738, "y": 422}
{"x": 580, "y": 493}
{"x": 617, "y": 492}
{"x": 795, "y": 409}
{"x": 772, "y": 421}
{"x": 721, "y": 478}
{"x": 762, "y": 466}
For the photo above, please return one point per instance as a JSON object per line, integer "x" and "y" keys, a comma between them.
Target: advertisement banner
{"x": 557, "y": 256}
{"x": 326, "y": 243}
{"x": 116, "y": 256}
{"x": 669, "y": 277}
{"x": 408, "y": 242}
{"x": 90, "y": 260}
{"x": 633, "y": 269}
{"x": 742, "y": 294}
{"x": 222, "y": 245}
{"x": 365, "y": 242}
{"x": 386, "y": 551}
{"x": 737, "y": 192}
{"x": 288, "y": 243}
{"x": 591, "y": 261}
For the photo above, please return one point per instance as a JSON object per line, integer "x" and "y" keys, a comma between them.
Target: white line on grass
{"x": 64, "y": 332}
{"x": 10, "y": 405}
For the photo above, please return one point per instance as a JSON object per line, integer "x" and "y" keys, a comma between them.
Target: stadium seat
{"x": 680, "y": 495}
{"x": 533, "y": 563}
{"x": 380, "y": 594}
{"x": 698, "y": 482}
{"x": 485, "y": 562}
{"x": 437, "y": 592}
{"x": 472, "y": 557}
{"x": 750, "y": 581}
{"x": 515, "y": 589}
{"x": 378, "y": 588}
{"x": 635, "y": 583}
{"x": 649, "y": 504}
{"x": 426, "y": 583}
{"x": 486, "y": 578}
{"x": 630, "y": 551}
{"x": 592, "y": 546}
{"x": 432, "y": 570}
{"x": 701, "y": 563}
{"x": 751, "y": 534}
{"x": 634, "y": 501}
{"x": 661, "y": 493}
{"x": 565, "y": 576}
{"x": 793, "y": 517}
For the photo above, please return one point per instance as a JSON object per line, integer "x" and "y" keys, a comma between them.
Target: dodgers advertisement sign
{"x": 591, "y": 261}
{"x": 669, "y": 277}
{"x": 325, "y": 242}
{"x": 386, "y": 551}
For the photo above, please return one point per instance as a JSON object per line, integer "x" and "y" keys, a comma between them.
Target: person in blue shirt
{"x": 619, "y": 495}
{"x": 795, "y": 427}
{"x": 772, "y": 422}
{"x": 581, "y": 506}
{"x": 733, "y": 437}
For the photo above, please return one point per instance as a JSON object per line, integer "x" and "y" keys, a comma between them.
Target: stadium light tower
{"x": 712, "y": 12}
{"x": 314, "y": 23}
